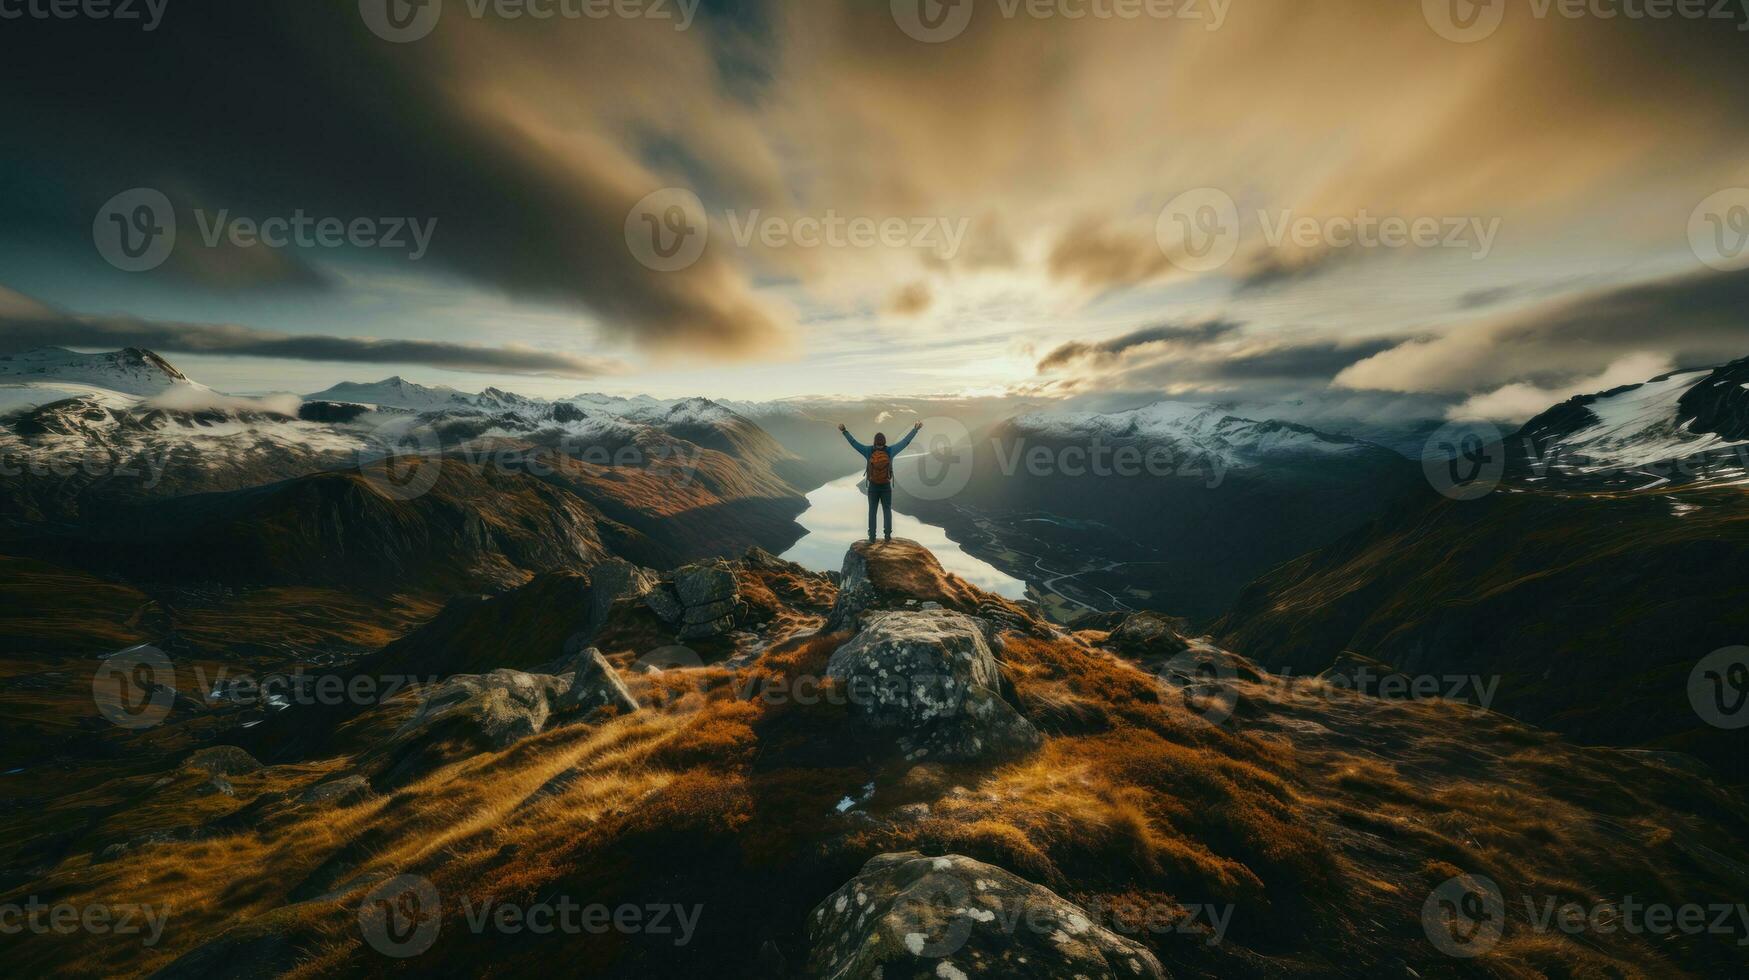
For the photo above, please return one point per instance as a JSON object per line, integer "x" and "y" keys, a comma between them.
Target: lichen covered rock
{"x": 909, "y": 917}
{"x": 595, "y": 684}
{"x": 499, "y": 707}
{"x": 930, "y": 678}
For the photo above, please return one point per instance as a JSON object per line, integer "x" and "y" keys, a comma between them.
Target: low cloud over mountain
{"x": 1687, "y": 319}
{"x": 25, "y": 324}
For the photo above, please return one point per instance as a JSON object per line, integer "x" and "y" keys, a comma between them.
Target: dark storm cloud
{"x": 1693, "y": 320}
{"x": 266, "y": 108}
{"x": 1493, "y": 296}
{"x": 1189, "y": 335}
{"x": 1208, "y": 356}
{"x": 35, "y": 328}
{"x": 1320, "y": 361}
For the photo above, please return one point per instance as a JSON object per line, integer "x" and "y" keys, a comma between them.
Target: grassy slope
{"x": 1323, "y": 817}
{"x": 1591, "y": 609}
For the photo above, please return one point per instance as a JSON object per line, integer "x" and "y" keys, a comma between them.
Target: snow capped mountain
{"x": 499, "y": 400}
{"x": 24, "y": 397}
{"x": 1683, "y": 427}
{"x": 397, "y": 392}
{"x": 618, "y": 404}
{"x": 1208, "y": 431}
{"x": 687, "y": 411}
{"x": 130, "y": 371}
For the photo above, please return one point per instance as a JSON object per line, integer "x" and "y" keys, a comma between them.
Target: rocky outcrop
{"x": 900, "y": 574}
{"x": 222, "y": 760}
{"x": 498, "y": 708}
{"x": 616, "y": 579}
{"x": 1148, "y": 634}
{"x": 594, "y": 685}
{"x": 930, "y": 677}
{"x": 344, "y": 791}
{"x": 909, "y": 916}
{"x": 611, "y": 584}
{"x": 699, "y": 600}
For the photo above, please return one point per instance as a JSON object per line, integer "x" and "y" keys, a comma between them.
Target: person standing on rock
{"x": 879, "y": 473}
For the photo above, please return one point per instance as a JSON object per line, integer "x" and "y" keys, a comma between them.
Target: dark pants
{"x": 880, "y": 495}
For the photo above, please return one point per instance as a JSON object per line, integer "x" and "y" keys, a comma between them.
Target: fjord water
{"x": 837, "y": 516}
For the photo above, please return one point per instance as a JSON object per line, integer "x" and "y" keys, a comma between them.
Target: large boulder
{"x": 704, "y": 583}
{"x": 930, "y": 677}
{"x": 498, "y": 708}
{"x": 595, "y": 684}
{"x": 617, "y": 578}
{"x": 700, "y": 600}
{"x": 708, "y": 612}
{"x": 611, "y": 581}
{"x": 664, "y": 603}
{"x": 910, "y": 917}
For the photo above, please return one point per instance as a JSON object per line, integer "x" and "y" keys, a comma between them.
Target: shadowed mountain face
{"x": 1170, "y": 506}
{"x": 1591, "y": 582}
{"x": 193, "y": 490}
{"x": 1591, "y": 612}
{"x": 762, "y": 786}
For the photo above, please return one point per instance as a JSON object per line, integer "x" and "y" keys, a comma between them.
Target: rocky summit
{"x": 876, "y": 774}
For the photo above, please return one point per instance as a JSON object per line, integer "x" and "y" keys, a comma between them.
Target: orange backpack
{"x": 880, "y": 467}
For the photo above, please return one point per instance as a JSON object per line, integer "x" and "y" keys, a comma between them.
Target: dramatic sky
{"x": 1029, "y": 201}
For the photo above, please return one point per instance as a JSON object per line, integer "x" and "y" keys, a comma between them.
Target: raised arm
{"x": 899, "y": 447}
{"x": 859, "y": 447}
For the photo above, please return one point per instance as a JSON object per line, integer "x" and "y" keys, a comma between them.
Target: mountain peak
{"x": 131, "y": 370}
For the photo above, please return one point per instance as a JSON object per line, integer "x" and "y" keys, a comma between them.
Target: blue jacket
{"x": 893, "y": 450}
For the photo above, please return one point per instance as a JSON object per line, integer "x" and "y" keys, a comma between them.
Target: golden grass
{"x": 1325, "y": 845}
